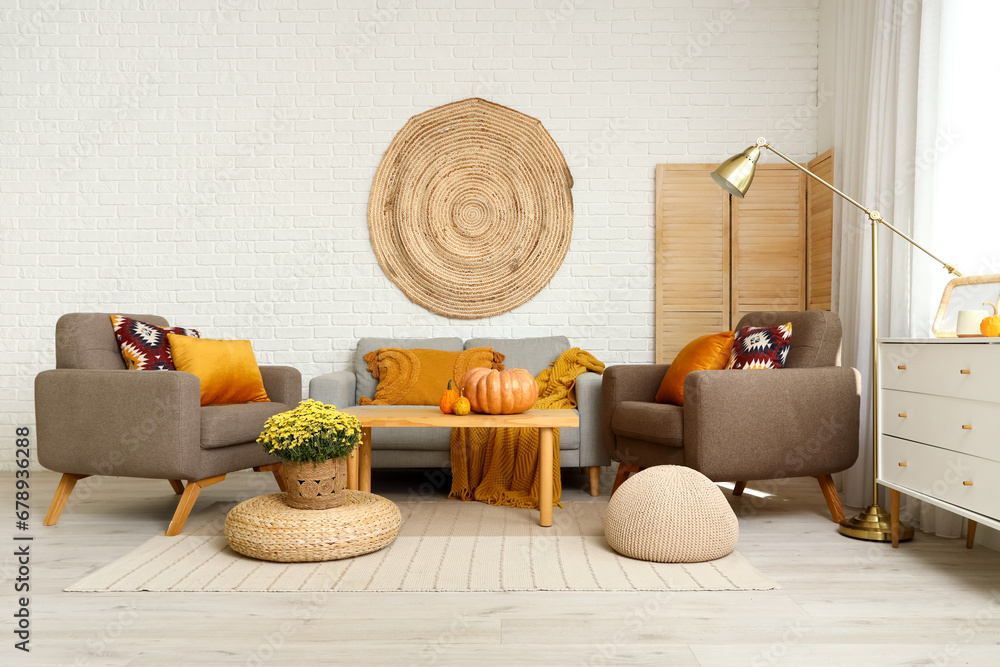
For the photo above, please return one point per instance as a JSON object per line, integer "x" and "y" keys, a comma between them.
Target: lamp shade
{"x": 736, "y": 174}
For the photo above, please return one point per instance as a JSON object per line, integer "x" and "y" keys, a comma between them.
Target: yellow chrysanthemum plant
{"x": 313, "y": 431}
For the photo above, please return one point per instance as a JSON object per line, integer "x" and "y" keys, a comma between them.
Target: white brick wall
{"x": 210, "y": 160}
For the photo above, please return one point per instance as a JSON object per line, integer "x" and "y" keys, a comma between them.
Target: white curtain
{"x": 887, "y": 86}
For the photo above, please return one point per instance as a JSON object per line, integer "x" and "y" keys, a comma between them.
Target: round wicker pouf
{"x": 670, "y": 514}
{"x": 266, "y": 528}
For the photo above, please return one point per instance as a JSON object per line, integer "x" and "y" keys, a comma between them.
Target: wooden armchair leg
{"x": 738, "y": 488}
{"x": 177, "y": 485}
{"x": 595, "y": 480}
{"x": 63, "y": 491}
{"x": 624, "y": 470}
{"x": 186, "y": 502}
{"x": 832, "y": 499}
{"x": 274, "y": 469}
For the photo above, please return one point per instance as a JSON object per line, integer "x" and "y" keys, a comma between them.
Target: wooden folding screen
{"x": 692, "y": 236}
{"x": 769, "y": 243}
{"x": 719, "y": 257}
{"x": 819, "y": 248}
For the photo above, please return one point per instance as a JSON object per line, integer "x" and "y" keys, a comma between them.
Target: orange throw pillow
{"x": 227, "y": 369}
{"x": 708, "y": 353}
{"x": 420, "y": 376}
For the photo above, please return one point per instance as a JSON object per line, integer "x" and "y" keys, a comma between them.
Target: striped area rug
{"x": 442, "y": 546}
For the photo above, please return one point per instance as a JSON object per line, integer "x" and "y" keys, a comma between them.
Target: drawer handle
{"x": 903, "y": 415}
{"x": 902, "y": 368}
{"x": 902, "y": 464}
{"x": 967, "y": 483}
{"x": 967, "y": 427}
{"x": 966, "y": 371}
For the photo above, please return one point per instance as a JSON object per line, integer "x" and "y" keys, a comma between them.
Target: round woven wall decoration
{"x": 471, "y": 211}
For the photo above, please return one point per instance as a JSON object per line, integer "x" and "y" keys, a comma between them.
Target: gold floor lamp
{"x": 735, "y": 175}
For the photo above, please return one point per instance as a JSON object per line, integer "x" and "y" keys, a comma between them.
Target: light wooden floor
{"x": 843, "y": 602}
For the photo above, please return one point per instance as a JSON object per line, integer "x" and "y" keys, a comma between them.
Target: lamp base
{"x": 873, "y": 525}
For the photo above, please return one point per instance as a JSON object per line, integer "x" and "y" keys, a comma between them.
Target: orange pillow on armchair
{"x": 707, "y": 353}
{"x": 227, "y": 369}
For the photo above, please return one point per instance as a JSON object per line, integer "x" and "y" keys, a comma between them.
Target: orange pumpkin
{"x": 448, "y": 399}
{"x": 990, "y": 326}
{"x": 499, "y": 392}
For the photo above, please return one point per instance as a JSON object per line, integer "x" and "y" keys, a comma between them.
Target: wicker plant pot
{"x": 315, "y": 486}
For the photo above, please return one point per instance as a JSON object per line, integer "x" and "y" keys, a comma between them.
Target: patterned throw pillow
{"x": 761, "y": 347}
{"x": 145, "y": 346}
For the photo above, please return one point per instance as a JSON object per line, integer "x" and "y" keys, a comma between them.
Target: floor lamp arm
{"x": 873, "y": 215}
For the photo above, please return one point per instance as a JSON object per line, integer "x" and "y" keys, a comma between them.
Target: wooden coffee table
{"x": 359, "y": 465}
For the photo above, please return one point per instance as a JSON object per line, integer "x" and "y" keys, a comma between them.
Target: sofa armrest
{"x": 588, "y": 403}
{"x": 335, "y": 388}
{"x": 770, "y": 424}
{"x": 127, "y": 423}
{"x": 283, "y": 384}
{"x": 631, "y": 382}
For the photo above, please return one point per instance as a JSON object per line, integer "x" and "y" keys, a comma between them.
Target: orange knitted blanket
{"x": 499, "y": 466}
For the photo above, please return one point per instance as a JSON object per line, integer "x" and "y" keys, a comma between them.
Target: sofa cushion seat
{"x": 432, "y": 439}
{"x": 226, "y": 425}
{"x": 652, "y": 422}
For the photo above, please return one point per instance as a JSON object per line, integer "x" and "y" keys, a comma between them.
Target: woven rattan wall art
{"x": 471, "y": 211}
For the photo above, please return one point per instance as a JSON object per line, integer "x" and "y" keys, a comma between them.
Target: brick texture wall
{"x": 210, "y": 160}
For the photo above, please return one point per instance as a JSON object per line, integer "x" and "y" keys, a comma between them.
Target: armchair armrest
{"x": 128, "y": 423}
{"x": 632, "y": 382}
{"x": 283, "y": 384}
{"x": 588, "y": 403}
{"x": 770, "y": 424}
{"x": 335, "y": 388}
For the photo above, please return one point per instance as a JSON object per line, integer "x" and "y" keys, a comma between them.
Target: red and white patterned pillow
{"x": 145, "y": 346}
{"x": 761, "y": 347}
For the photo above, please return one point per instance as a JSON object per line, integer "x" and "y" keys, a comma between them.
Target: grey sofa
{"x": 96, "y": 418}
{"x": 429, "y": 447}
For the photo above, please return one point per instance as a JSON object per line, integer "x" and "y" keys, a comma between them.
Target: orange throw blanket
{"x": 499, "y": 466}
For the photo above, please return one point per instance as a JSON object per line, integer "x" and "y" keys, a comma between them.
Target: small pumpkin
{"x": 461, "y": 406}
{"x": 448, "y": 399}
{"x": 990, "y": 326}
{"x": 499, "y": 392}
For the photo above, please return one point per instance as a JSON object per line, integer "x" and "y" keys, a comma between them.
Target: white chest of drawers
{"x": 939, "y": 423}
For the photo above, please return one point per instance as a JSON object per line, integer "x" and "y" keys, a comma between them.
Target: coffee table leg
{"x": 365, "y": 461}
{"x": 545, "y": 438}
{"x": 352, "y": 470}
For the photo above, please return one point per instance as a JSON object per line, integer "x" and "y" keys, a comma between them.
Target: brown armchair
{"x": 96, "y": 418}
{"x": 735, "y": 426}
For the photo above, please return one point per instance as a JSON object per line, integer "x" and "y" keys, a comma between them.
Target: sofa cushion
{"x": 227, "y": 369}
{"x": 225, "y": 425}
{"x": 531, "y": 354}
{"x": 705, "y": 353}
{"x": 760, "y": 348}
{"x": 419, "y": 376}
{"x": 652, "y": 422}
{"x": 366, "y": 384}
{"x": 145, "y": 347}
{"x": 817, "y": 335}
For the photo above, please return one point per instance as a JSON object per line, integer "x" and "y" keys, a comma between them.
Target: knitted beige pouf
{"x": 670, "y": 514}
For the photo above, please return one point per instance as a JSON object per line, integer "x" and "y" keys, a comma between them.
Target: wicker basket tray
{"x": 266, "y": 528}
